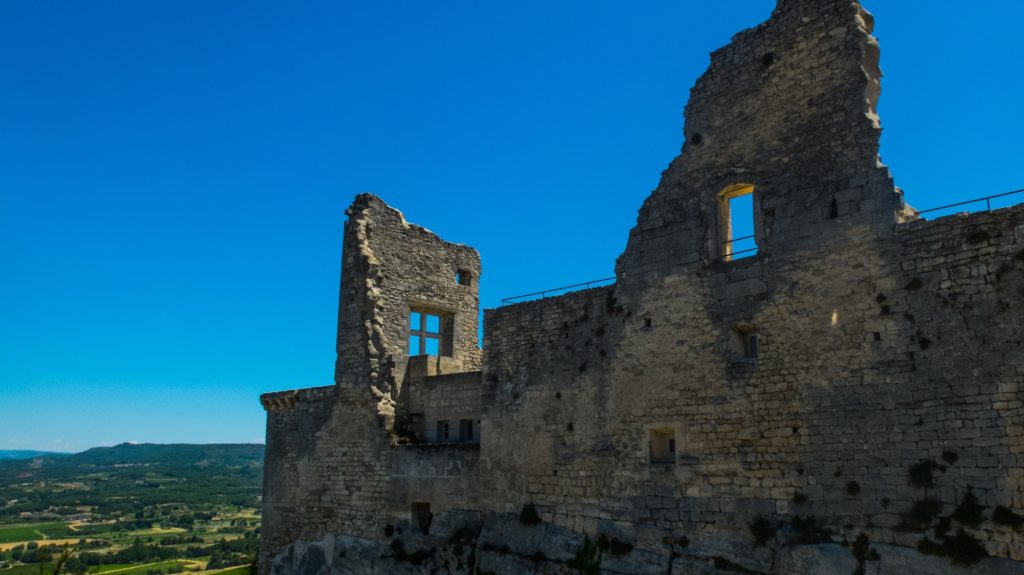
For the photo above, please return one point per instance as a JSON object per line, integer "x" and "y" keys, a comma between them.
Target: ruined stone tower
{"x": 838, "y": 393}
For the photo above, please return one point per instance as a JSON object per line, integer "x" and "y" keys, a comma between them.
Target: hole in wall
{"x": 696, "y": 139}
{"x": 768, "y": 59}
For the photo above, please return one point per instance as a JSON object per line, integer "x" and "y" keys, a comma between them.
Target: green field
{"x": 33, "y": 531}
{"x": 132, "y": 510}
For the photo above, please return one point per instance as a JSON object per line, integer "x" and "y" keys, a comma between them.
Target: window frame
{"x": 726, "y": 241}
{"x": 445, "y": 341}
{"x": 664, "y": 437}
{"x": 446, "y": 425}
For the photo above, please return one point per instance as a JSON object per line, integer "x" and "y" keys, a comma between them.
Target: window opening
{"x": 442, "y": 431}
{"x": 416, "y": 427}
{"x": 663, "y": 445}
{"x": 746, "y": 342}
{"x": 736, "y": 211}
{"x": 750, "y": 349}
{"x": 421, "y": 516}
{"x": 466, "y": 430}
{"x": 430, "y": 332}
{"x": 463, "y": 278}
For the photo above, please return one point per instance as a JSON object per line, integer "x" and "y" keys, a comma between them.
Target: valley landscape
{"x": 131, "y": 509}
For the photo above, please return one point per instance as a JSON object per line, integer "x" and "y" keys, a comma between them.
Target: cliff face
{"x": 838, "y": 394}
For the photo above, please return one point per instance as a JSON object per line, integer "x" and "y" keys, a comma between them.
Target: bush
{"x": 528, "y": 515}
{"x": 762, "y": 530}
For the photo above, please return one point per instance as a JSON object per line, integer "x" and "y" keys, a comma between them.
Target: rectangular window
{"x": 442, "y": 431}
{"x": 746, "y": 342}
{"x": 663, "y": 445}
{"x": 466, "y": 430}
{"x": 752, "y": 343}
{"x": 736, "y": 222}
{"x": 430, "y": 332}
{"x": 463, "y": 278}
{"x": 416, "y": 428}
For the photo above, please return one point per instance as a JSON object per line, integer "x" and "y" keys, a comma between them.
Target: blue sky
{"x": 173, "y": 175}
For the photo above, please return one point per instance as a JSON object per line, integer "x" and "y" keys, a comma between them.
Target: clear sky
{"x": 174, "y": 174}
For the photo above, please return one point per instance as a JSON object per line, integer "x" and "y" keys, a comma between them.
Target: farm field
{"x": 132, "y": 510}
{"x": 32, "y": 531}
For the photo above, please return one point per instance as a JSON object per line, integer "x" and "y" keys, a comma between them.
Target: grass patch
{"x": 240, "y": 570}
{"x": 110, "y": 567}
{"x": 28, "y": 569}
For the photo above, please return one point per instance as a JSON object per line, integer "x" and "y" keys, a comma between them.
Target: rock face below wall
{"x": 502, "y": 545}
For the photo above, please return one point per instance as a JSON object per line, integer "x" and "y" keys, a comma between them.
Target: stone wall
{"x": 878, "y": 357}
{"x": 389, "y": 266}
{"x": 331, "y": 462}
{"x": 452, "y": 397}
{"x": 846, "y": 400}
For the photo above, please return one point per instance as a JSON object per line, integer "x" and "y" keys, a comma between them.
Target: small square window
{"x": 750, "y": 350}
{"x": 746, "y": 342}
{"x": 463, "y": 278}
{"x": 663, "y": 445}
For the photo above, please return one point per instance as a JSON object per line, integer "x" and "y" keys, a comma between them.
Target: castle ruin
{"x": 842, "y": 397}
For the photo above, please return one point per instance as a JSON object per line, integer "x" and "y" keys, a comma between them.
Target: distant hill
{"x": 27, "y": 454}
{"x": 139, "y": 474}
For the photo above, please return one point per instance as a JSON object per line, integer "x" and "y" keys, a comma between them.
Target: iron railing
{"x": 544, "y": 294}
{"x": 586, "y": 285}
{"x": 986, "y": 199}
{"x": 732, "y": 254}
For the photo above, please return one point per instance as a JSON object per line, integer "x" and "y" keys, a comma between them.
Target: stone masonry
{"x": 845, "y": 400}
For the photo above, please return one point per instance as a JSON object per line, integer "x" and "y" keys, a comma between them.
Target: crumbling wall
{"x": 876, "y": 426}
{"x": 789, "y": 107}
{"x": 331, "y": 464}
{"x": 825, "y": 435}
{"x": 389, "y": 265}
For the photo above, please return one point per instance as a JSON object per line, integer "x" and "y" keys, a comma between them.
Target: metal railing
{"x": 586, "y": 285}
{"x": 986, "y": 199}
{"x": 544, "y": 294}
{"x": 731, "y": 254}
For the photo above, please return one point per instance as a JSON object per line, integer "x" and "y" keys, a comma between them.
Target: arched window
{"x": 736, "y": 222}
